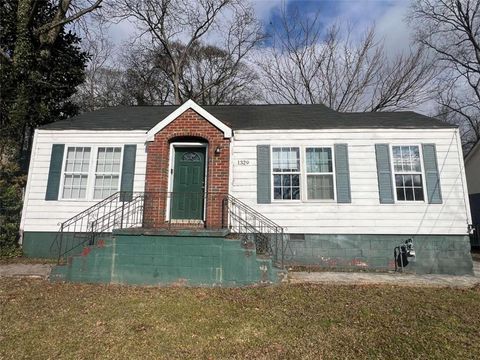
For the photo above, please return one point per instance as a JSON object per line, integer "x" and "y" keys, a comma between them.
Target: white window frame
{"x": 95, "y": 172}
{"x": 421, "y": 173}
{"x": 64, "y": 168}
{"x": 91, "y": 170}
{"x": 327, "y": 173}
{"x": 300, "y": 181}
{"x": 303, "y": 174}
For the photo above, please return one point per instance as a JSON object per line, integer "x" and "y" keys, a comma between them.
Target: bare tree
{"x": 304, "y": 65}
{"x": 146, "y": 79}
{"x": 173, "y": 22}
{"x": 100, "y": 74}
{"x": 451, "y": 30}
{"x": 212, "y": 77}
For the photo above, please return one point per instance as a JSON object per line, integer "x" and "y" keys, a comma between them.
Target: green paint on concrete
{"x": 166, "y": 259}
{"x": 39, "y": 244}
{"x": 435, "y": 254}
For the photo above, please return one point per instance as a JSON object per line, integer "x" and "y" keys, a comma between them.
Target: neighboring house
{"x": 472, "y": 169}
{"x": 344, "y": 188}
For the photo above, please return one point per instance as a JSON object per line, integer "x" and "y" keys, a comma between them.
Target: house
{"x": 472, "y": 169}
{"x": 230, "y": 194}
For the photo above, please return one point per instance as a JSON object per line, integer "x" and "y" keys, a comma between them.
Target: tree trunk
{"x": 22, "y": 59}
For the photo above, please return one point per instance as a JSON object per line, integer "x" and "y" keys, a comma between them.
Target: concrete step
{"x": 196, "y": 258}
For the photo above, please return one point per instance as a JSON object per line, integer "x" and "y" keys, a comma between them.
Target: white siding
{"x": 41, "y": 215}
{"x": 365, "y": 215}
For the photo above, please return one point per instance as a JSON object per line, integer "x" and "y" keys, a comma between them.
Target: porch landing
{"x": 189, "y": 257}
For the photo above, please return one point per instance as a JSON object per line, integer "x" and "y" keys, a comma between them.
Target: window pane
{"x": 76, "y": 180}
{"x": 286, "y": 186}
{"x": 277, "y": 180}
{"x": 408, "y": 180}
{"x": 399, "y": 180}
{"x": 76, "y": 173}
{"x": 409, "y": 186}
{"x": 68, "y": 180}
{"x": 75, "y": 187}
{"x": 419, "y": 194}
{"x": 397, "y": 159}
{"x": 319, "y": 160}
{"x": 98, "y": 182}
{"x": 295, "y": 193}
{"x": 105, "y": 185}
{"x": 415, "y": 153}
{"x": 320, "y": 187}
{"x": 276, "y": 159}
{"x": 409, "y": 194}
{"x": 108, "y": 169}
{"x": 97, "y": 194}
{"x": 114, "y": 182}
{"x": 417, "y": 180}
{"x": 295, "y": 180}
{"x": 406, "y": 159}
{"x": 277, "y": 193}
{"x": 286, "y": 159}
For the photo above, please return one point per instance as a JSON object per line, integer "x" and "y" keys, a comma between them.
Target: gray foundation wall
{"x": 435, "y": 254}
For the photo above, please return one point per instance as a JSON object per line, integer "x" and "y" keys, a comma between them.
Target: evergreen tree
{"x": 38, "y": 78}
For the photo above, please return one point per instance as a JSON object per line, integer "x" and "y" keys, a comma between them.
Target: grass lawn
{"x": 40, "y": 320}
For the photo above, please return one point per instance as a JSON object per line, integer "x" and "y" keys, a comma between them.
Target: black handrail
{"x": 269, "y": 237}
{"x": 149, "y": 210}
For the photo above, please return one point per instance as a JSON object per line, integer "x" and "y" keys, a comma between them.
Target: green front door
{"x": 188, "y": 183}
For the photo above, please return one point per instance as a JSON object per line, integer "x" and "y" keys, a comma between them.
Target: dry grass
{"x": 40, "y": 320}
{"x": 25, "y": 260}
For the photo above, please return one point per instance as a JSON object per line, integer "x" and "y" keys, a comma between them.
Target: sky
{"x": 387, "y": 16}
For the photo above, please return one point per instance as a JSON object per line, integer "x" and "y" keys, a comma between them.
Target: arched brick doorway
{"x": 189, "y": 130}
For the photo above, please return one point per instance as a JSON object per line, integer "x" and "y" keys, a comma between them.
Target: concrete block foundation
{"x": 435, "y": 254}
{"x": 187, "y": 258}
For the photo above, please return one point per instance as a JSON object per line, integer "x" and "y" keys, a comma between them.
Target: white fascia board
{"x": 190, "y": 104}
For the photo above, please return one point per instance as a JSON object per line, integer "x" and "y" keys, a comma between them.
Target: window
{"x": 319, "y": 174}
{"x": 107, "y": 172}
{"x": 286, "y": 173}
{"x": 407, "y": 169}
{"x": 76, "y": 173}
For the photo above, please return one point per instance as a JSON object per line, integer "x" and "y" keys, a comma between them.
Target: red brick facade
{"x": 187, "y": 125}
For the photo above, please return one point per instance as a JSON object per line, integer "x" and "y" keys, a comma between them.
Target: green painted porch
{"x": 194, "y": 257}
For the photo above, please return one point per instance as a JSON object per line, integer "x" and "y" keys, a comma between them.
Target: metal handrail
{"x": 148, "y": 210}
{"x": 245, "y": 220}
{"x": 92, "y": 208}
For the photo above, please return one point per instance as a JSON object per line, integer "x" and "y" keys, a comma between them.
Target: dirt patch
{"x": 25, "y": 270}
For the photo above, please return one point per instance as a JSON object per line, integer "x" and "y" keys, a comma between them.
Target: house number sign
{"x": 243, "y": 162}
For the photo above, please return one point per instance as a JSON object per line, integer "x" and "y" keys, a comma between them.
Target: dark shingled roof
{"x": 251, "y": 117}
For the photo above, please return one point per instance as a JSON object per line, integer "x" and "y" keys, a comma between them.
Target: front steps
{"x": 162, "y": 257}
